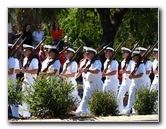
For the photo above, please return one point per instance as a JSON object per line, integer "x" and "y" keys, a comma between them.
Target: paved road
{"x": 131, "y": 118}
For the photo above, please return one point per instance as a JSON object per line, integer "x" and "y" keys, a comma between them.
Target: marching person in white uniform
{"x": 111, "y": 82}
{"x": 126, "y": 81}
{"x": 82, "y": 65}
{"x": 30, "y": 73}
{"x": 53, "y": 69}
{"x": 148, "y": 67}
{"x": 12, "y": 76}
{"x": 11, "y": 64}
{"x": 44, "y": 63}
{"x": 155, "y": 82}
{"x": 17, "y": 68}
{"x": 14, "y": 107}
{"x": 70, "y": 74}
{"x": 137, "y": 80}
{"x": 92, "y": 81}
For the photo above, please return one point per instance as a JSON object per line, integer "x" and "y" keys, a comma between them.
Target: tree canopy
{"x": 93, "y": 26}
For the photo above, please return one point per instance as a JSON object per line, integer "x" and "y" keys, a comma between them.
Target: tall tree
{"x": 109, "y": 24}
{"x": 94, "y": 25}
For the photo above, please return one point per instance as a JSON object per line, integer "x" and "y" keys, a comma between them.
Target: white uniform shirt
{"x": 148, "y": 66}
{"x": 51, "y": 68}
{"x": 33, "y": 65}
{"x": 82, "y": 64}
{"x": 72, "y": 68}
{"x": 11, "y": 64}
{"x": 92, "y": 77}
{"x": 128, "y": 67}
{"x": 38, "y": 36}
{"x": 17, "y": 66}
{"x": 44, "y": 64}
{"x": 141, "y": 69}
{"x": 155, "y": 64}
{"x": 112, "y": 67}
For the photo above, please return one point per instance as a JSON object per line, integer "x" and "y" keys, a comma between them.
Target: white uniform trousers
{"x": 90, "y": 87}
{"x": 111, "y": 84}
{"x": 123, "y": 89}
{"x": 14, "y": 110}
{"x": 14, "y": 107}
{"x": 132, "y": 89}
{"x": 74, "y": 93}
{"x": 155, "y": 84}
{"x": 147, "y": 81}
{"x": 24, "y": 109}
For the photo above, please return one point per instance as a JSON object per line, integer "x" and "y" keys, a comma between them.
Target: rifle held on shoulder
{"x": 113, "y": 56}
{"x": 99, "y": 48}
{"x": 70, "y": 61}
{"x": 149, "y": 53}
{"x": 97, "y": 55}
{"x": 14, "y": 46}
{"x": 143, "y": 58}
{"x": 20, "y": 45}
{"x": 57, "y": 57}
{"x": 33, "y": 54}
{"x": 129, "y": 56}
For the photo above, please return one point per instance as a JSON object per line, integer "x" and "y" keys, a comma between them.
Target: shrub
{"x": 103, "y": 103}
{"x": 145, "y": 101}
{"x": 50, "y": 97}
{"x": 14, "y": 92}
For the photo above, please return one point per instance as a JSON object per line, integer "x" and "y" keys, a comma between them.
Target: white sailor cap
{"x": 141, "y": 49}
{"x": 71, "y": 50}
{"x": 125, "y": 49}
{"x": 46, "y": 46}
{"x": 25, "y": 46}
{"x": 52, "y": 49}
{"x": 135, "y": 53}
{"x": 10, "y": 45}
{"x": 109, "y": 49}
{"x": 155, "y": 50}
{"x": 84, "y": 48}
{"x": 49, "y": 47}
{"x": 89, "y": 49}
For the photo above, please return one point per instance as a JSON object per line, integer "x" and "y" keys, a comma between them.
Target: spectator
{"x": 41, "y": 54}
{"x": 57, "y": 35}
{"x": 27, "y": 33}
{"x": 15, "y": 33}
{"x": 38, "y": 35}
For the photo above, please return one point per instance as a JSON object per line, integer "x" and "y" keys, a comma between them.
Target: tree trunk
{"x": 109, "y": 29}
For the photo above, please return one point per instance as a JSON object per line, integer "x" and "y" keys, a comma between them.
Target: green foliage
{"x": 14, "y": 92}
{"x": 50, "y": 97}
{"x": 139, "y": 24}
{"x": 47, "y": 32}
{"x": 85, "y": 24}
{"x": 82, "y": 24}
{"x": 103, "y": 103}
{"x": 145, "y": 101}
